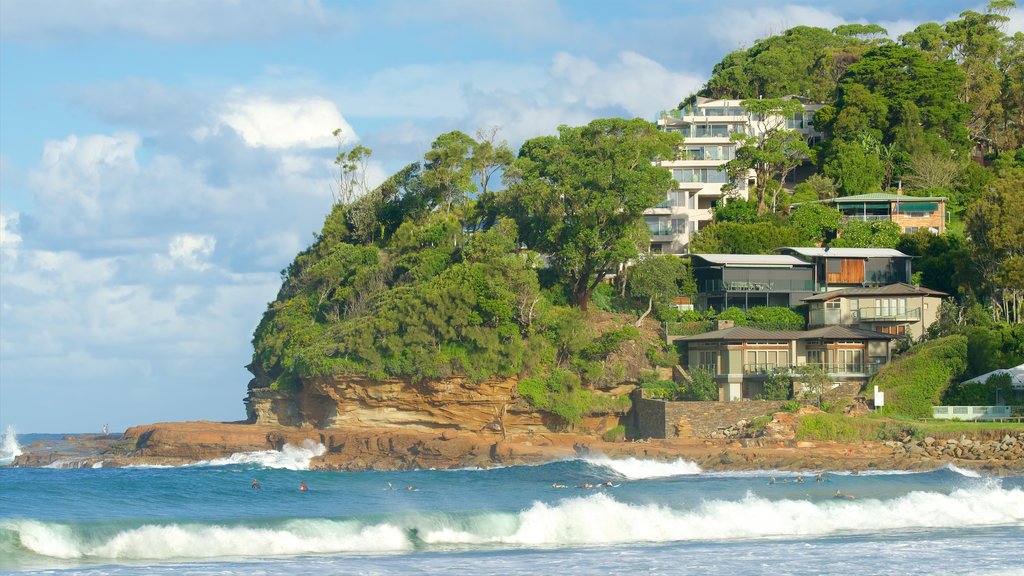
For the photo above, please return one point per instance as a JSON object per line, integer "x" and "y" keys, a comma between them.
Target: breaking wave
{"x": 289, "y": 457}
{"x": 635, "y": 469}
{"x": 588, "y": 520}
{"x": 9, "y": 449}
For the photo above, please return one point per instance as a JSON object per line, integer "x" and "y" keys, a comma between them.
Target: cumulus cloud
{"x": 307, "y": 122}
{"x": 188, "y": 20}
{"x": 191, "y": 250}
{"x": 10, "y": 240}
{"x": 739, "y": 27}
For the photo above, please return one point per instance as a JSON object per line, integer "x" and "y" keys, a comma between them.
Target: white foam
{"x": 9, "y": 449}
{"x": 635, "y": 469}
{"x": 593, "y": 519}
{"x": 962, "y": 471}
{"x": 289, "y": 457}
{"x": 157, "y": 542}
{"x": 600, "y": 519}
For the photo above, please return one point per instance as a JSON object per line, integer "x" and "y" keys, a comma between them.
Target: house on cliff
{"x": 740, "y": 358}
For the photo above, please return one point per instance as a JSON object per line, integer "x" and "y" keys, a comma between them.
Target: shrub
{"x": 790, "y": 406}
{"x": 701, "y": 387}
{"x": 559, "y": 393}
{"x": 916, "y": 381}
{"x": 777, "y": 386}
{"x": 825, "y": 427}
{"x": 655, "y": 388}
{"x": 981, "y": 393}
{"x": 775, "y": 318}
{"x": 616, "y": 434}
{"x": 757, "y": 424}
{"x": 895, "y": 431}
{"x": 665, "y": 358}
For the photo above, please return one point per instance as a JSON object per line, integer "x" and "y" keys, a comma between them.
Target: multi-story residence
{"x": 707, "y": 126}
{"x": 787, "y": 279}
{"x": 912, "y": 213}
{"x": 897, "y": 309}
{"x": 746, "y": 280}
{"x": 740, "y": 358}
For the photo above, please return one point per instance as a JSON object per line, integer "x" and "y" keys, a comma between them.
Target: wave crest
{"x": 636, "y": 469}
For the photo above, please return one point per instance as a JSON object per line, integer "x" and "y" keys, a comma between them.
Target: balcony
{"x": 835, "y": 369}
{"x": 866, "y": 218}
{"x": 665, "y": 231}
{"x": 886, "y": 315}
{"x": 824, "y": 317}
{"x": 755, "y": 286}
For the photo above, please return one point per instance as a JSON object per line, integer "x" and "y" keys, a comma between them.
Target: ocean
{"x": 646, "y": 518}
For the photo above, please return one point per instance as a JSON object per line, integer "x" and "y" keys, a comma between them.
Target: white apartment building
{"x": 707, "y": 127}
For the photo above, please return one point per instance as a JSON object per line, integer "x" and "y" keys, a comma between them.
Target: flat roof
{"x": 877, "y": 196}
{"x": 846, "y": 252}
{"x": 753, "y": 259}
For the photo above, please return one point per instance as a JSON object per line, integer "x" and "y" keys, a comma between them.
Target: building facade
{"x": 707, "y": 127}
{"x": 897, "y": 309}
{"x": 741, "y": 358}
{"x": 911, "y": 213}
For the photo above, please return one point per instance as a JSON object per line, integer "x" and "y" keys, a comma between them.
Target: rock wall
{"x": 663, "y": 419}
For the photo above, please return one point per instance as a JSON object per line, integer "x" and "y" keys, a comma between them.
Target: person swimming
{"x": 255, "y": 484}
{"x": 303, "y": 487}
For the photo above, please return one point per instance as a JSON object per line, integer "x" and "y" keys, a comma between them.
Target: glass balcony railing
{"x": 824, "y": 317}
{"x": 884, "y": 314}
{"x": 755, "y": 285}
{"x": 866, "y": 217}
{"x": 832, "y": 369}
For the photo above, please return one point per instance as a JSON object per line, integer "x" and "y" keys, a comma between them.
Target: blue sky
{"x": 161, "y": 162}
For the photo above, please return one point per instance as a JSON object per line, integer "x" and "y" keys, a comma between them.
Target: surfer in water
{"x": 303, "y": 487}
{"x": 255, "y": 484}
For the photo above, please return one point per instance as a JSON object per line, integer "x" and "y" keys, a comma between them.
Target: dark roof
{"x": 897, "y": 289}
{"x": 843, "y": 333}
{"x": 739, "y": 333}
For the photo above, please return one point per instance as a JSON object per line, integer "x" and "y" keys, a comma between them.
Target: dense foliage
{"x": 916, "y": 381}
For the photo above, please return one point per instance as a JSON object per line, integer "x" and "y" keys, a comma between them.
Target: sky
{"x": 162, "y": 162}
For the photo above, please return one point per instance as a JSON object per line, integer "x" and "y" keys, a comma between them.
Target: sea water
{"x": 654, "y": 518}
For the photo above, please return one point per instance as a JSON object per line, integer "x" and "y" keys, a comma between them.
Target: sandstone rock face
{"x": 454, "y": 404}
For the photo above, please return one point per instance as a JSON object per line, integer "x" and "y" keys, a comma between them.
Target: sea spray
{"x": 635, "y": 469}
{"x": 289, "y": 457}
{"x": 592, "y": 519}
{"x": 9, "y": 449}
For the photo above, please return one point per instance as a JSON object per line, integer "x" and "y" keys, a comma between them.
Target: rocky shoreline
{"x": 182, "y": 443}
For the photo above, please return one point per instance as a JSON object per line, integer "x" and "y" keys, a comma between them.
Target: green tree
{"x": 855, "y": 167}
{"x": 701, "y": 387}
{"x": 815, "y": 221}
{"x": 655, "y": 278}
{"x": 815, "y": 381}
{"x": 448, "y": 169}
{"x": 857, "y": 234}
{"x": 772, "y": 151}
{"x": 996, "y": 228}
{"x": 580, "y": 196}
{"x": 739, "y": 238}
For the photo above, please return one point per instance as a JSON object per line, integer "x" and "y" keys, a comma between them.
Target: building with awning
{"x": 912, "y": 213}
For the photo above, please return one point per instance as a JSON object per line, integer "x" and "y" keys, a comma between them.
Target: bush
{"x": 895, "y": 431}
{"x": 775, "y": 318}
{"x": 701, "y": 387}
{"x": 777, "y": 386}
{"x": 997, "y": 386}
{"x": 825, "y": 427}
{"x": 616, "y": 434}
{"x": 790, "y": 406}
{"x": 916, "y": 381}
{"x": 559, "y": 393}
{"x": 757, "y": 424}
{"x": 662, "y": 357}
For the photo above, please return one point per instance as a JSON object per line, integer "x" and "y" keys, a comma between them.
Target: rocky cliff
{"x": 454, "y": 404}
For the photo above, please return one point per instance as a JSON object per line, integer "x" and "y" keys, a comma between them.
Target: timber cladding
{"x": 845, "y": 271}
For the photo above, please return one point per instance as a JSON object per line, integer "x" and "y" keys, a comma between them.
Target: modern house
{"x": 746, "y": 280}
{"x": 741, "y": 358}
{"x": 912, "y": 213}
{"x": 837, "y": 268}
{"x": 787, "y": 279}
{"x": 896, "y": 309}
{"x": 707, "y": 126}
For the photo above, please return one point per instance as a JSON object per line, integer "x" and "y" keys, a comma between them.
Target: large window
{"x": 762, "y": 361}
{"x": 708, "y": 360}
{"x": 710, "y": 153}
{"x": 705, "y": 175}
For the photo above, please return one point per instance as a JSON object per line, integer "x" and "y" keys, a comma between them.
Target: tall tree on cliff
{"x": 580, "y": 196}
{"x": 996, "y": 230}
{"x": 772, "y": 152}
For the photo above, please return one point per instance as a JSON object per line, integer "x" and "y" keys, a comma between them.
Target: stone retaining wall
{"x": 663, "y": 419}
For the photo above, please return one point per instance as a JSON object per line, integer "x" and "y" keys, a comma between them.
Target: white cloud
{"x": 188, "y": 20}
{"x": 10, "y": 240}
{"x": 740, "y": 27}
{"x": 191, "y": 250}
{"x": 307, "y": 122}
{"x": 632, "y": 82}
